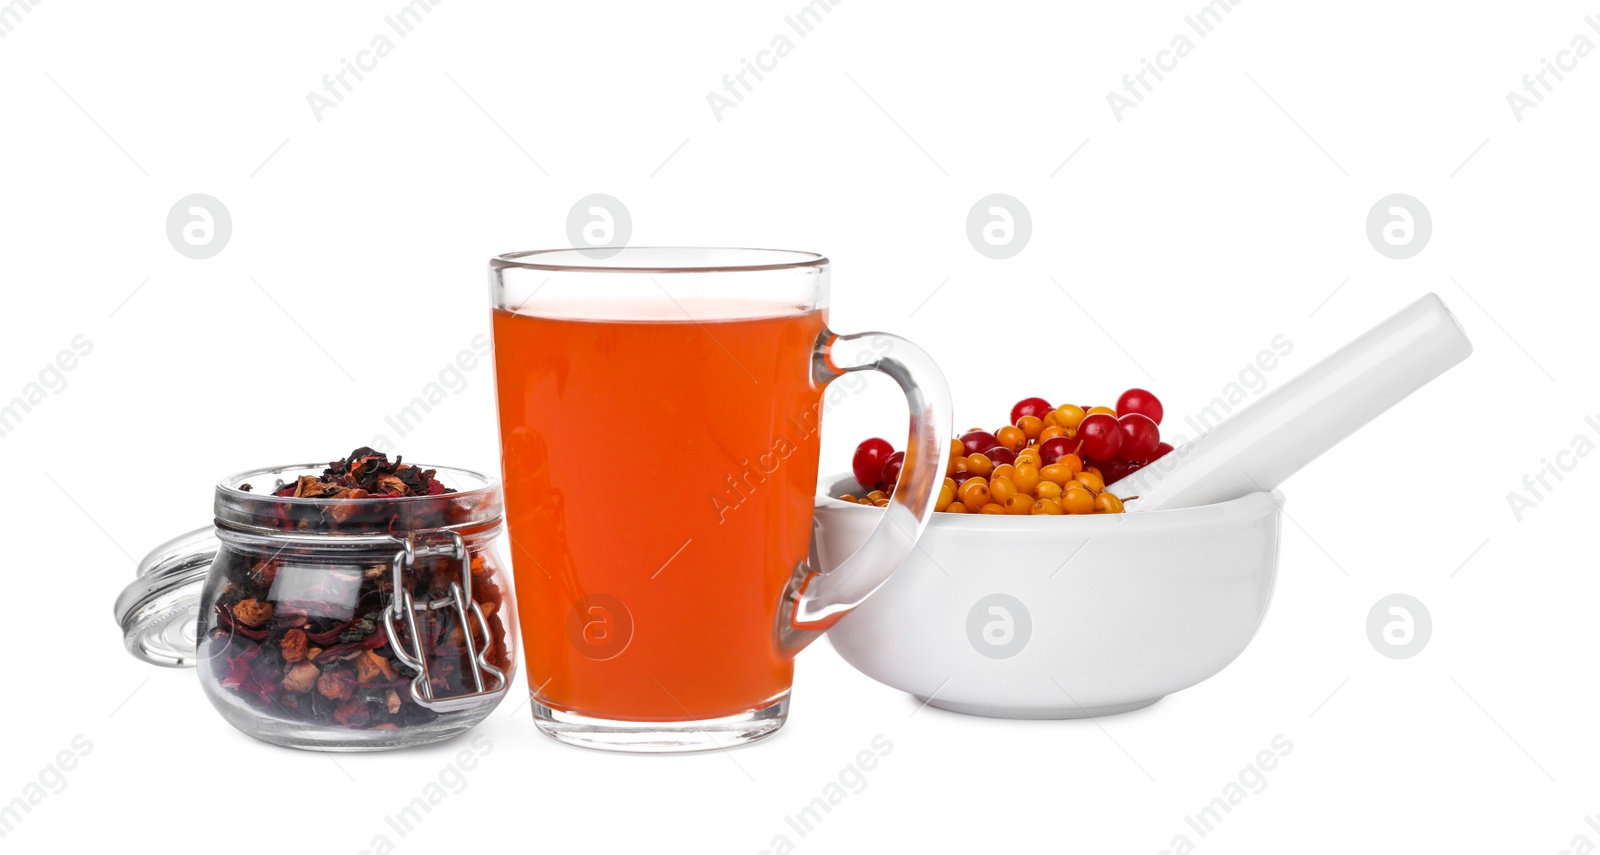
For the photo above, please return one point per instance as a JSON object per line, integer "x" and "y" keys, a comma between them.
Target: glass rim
{"x": 487, "y": 485}
{"x": 537, "y": 259}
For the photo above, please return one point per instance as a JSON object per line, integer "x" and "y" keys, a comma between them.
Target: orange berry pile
{"x": 1040, "y": 463}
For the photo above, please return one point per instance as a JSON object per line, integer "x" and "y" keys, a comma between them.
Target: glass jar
{"x": 336, "y": 624}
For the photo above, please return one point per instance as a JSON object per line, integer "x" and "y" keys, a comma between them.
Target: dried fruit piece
{"x": 300, "y": 678}
{"x": 332, "y": 686}
{"x": 252, "y": 612}
{"x": 294, "y": 645}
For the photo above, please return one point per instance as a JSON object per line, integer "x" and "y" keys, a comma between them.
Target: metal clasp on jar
{"x": 488, "y": 681}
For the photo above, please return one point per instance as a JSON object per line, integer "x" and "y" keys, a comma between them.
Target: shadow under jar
{"x": 336, "y": 624}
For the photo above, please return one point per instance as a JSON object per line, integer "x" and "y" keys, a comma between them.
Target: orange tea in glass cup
{"x": 660, "y": 413}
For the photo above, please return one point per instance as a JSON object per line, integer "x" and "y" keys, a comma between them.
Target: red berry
{"x": 1140, "y": 436}
{"x": 1057, "y": 447}
{"x": 867, "y": 464}
{"x": 891, "y": 469}
{"x": 1161, "y": 450}
{"x": 1118, "y": 469}
{"x": 1030, "y": 407}
{"x": 977, "y": 442}
{"x": 961, "y": 477}
{"x": 1000, "y": 454}
{"x": 1100, "y": 435}
{"x": 1141, "y": 402}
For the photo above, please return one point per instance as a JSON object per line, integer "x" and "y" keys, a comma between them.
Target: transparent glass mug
{"x": 659, "y": 415}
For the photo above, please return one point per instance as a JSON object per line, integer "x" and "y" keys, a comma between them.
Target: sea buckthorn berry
{"x": 1073, "y": 462}
{"x": 1050, "y": 420}
{"x": 992, "y": 508}
{"x": 881, "y": 503}
{"x": 1056, "y": 474}
{"x": 961, "y": 478}
{"x": 1076, "y": 500}
{"x": 877, "y": 494}
{"x": 980, "y": 464}
{"x": 959, "y": 465}
{"x": 977, "y": 441}
{"x": 1106, "y": 410}
{"x": 1019, "y": 505}
{"x": 1102, "y": 439}
{"x": 1000, "y": 454}
{"x": 974, "y": 493}
{"x": 1004, "y": 470}
{"x": 1029, "y": 407}
{"x": 1091, "y": 480}
{"x": 956, "y": 448}
{"x": 1050, "y": 432}
{"x": 1047, "y": 490}
{"x": 1026, "y": 478}
{"x": 1050, "y": 507}
{"x": 1069, "y": 415}
{"x": 955, "y": 508}
{"x": 849, "y": 498}
{"x": 1105, "y": 503}
{"x": 1001, "y": 488}
{"x": 947, "y": 494}
{"x": 1012, "y": 437}
{"x": 1031, "y": 425}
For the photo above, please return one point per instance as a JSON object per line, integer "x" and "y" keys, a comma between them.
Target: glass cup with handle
{"x": 660, "y": 413}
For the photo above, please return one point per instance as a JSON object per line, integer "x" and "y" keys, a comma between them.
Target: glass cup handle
{"x": 815, "y": 601}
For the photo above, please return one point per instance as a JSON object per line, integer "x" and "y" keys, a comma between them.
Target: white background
{"x": 1228, "y": 208}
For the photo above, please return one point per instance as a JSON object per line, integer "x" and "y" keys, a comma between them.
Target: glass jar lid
{"x": 159, "y": 611}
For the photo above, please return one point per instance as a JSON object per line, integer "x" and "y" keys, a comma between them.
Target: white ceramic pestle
{"x": 1263, "y": 444}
